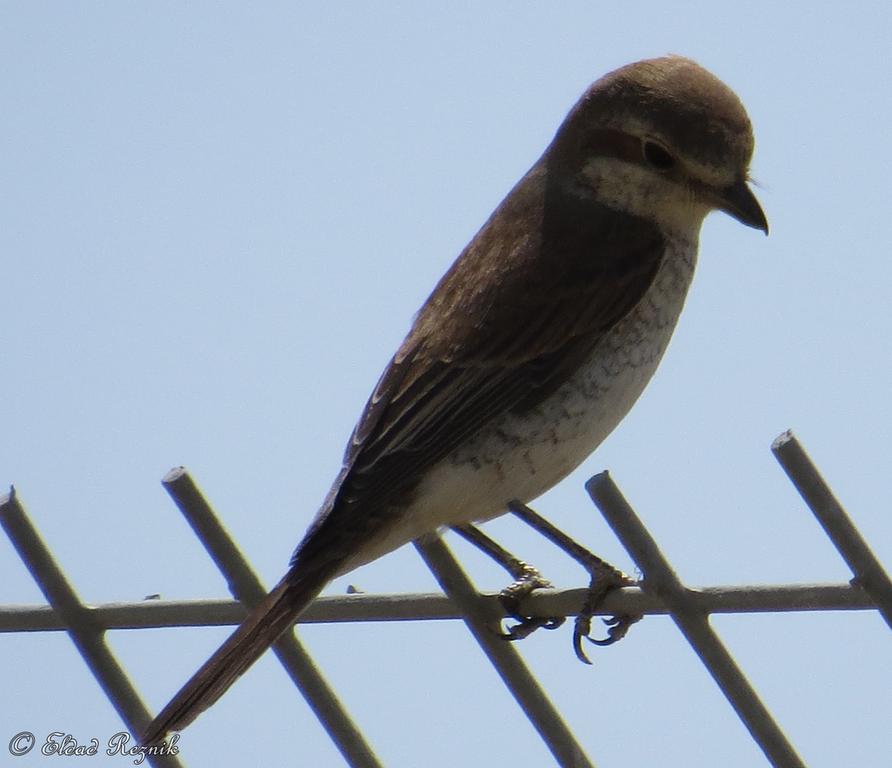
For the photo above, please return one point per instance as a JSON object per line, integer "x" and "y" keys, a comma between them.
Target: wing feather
{"x": 496, "y": 335}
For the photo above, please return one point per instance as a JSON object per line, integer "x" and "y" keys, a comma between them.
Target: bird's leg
{"x": 526, "y": 580}
{"x": 605, "y": 578}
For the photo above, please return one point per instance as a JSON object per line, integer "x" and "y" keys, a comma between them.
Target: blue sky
{"x": 216, "y": 223}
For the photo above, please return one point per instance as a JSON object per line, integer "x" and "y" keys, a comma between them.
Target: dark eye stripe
{"x": 608, "y": 142}
{"x": 657, "y": 156}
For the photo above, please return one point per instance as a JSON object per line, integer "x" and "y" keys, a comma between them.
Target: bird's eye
{"x": 657, "y": 156}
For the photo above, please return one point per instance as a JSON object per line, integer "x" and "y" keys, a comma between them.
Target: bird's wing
{"x": 485, "y": 344}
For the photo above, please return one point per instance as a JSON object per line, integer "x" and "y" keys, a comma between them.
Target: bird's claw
{"x": 529, "y": 580}
{"x": 618, "y": 628}
{"x": 605, "y": 579}
{"x": 526, "y": 625}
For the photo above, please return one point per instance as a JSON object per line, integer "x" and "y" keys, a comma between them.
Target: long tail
{"x": 263, "y": 626}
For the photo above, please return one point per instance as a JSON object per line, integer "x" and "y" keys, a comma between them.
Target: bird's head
{"x": 662, "y": 139}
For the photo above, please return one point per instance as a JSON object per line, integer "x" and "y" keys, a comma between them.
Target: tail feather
{"x": 263, "y": 626}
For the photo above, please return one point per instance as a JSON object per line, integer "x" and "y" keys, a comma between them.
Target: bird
{"x": 535, "y": 343}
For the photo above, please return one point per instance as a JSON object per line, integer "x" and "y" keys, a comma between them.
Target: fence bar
{"x": 692, "y": 621}
{"x": 483, "y": 621}
{"x": 85, "y": 633}
{"x": 838, "y": 526}
{"x": 154, "y": 614}
{"x": 246, "y": 587}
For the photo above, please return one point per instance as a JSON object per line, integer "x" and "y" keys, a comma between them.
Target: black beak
{"x": 739, "y": 201}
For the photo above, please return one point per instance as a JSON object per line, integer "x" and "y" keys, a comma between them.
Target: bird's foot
{"x": 605, "y": 579}
{"x": 528, "y": 579}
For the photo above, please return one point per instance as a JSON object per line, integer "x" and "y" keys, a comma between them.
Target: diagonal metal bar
{"x": 483, "y": 618}
{"x": 87, "y": 636}
{"x": 660, "y": 578}
{"x": 246, "y": 587}
{"x": 838, "y": 526}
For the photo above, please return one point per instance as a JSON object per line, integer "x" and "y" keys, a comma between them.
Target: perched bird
{"x": 533, "y": 346}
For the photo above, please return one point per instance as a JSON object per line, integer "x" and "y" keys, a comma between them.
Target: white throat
{"x": 637, "y": 190}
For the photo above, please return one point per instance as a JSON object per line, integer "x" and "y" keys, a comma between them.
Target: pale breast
{"x": 529, "y": 455}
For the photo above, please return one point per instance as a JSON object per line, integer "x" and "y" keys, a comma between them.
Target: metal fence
{"x": 660, "y": 592}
